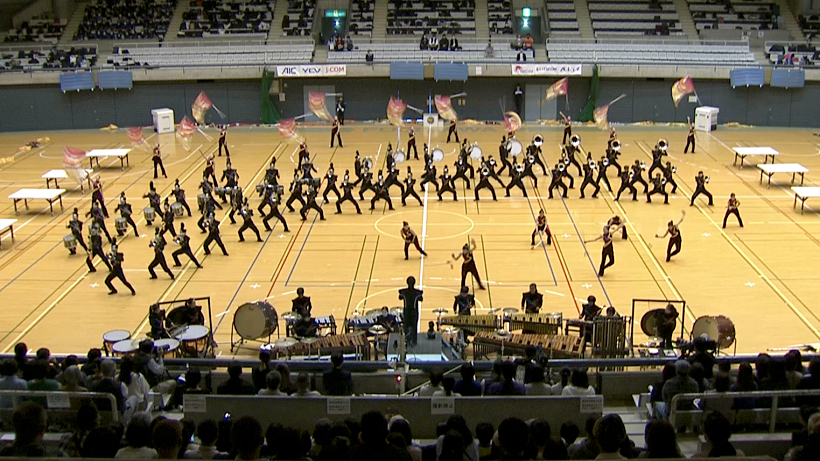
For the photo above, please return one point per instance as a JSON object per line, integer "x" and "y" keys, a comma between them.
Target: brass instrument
{"x": 538, "y": 140}
{"x": 575, "y": 140}
{"x": 663, "y": 144}
{"x": 616, "y": 145}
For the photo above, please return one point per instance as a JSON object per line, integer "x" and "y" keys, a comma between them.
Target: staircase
{"x": 687, "y": 24}
{"x": 791, "y": 21}
{"x": 584, "y": 22}
{"x": 279, "y": 12}
{"x": 380, "y": 19}
{"x": 482, "y": 21}
{"x": 320, "y": 54}
{"x": 73, "y": 24}
{"x": 176, "y": 21}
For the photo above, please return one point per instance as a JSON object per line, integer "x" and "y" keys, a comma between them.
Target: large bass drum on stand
{"x": 254, "y": 321}
{"x": 719, "y": 329}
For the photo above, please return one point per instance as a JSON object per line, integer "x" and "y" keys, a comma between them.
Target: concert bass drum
{"x": 438, "y": 154}
{"x": 720, "y": 329}
{"x": 255, "y": 320}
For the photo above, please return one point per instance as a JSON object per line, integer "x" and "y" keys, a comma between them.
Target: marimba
{"x": 560, "y": 346}
{"x": 545, "y": 324}
{"x": 471, "y": 322}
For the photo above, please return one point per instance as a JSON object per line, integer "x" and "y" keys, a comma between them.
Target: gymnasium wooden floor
{"x": 761, "y": 276}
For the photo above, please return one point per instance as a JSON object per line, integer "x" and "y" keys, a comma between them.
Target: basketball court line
{"x": 540, "y": 234}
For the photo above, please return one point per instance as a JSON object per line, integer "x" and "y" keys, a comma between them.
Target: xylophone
{"x": 560, "y": 346}
{"x": 471, "y": 322}
{"x": 354, "y": 343}
{"x": 364, "y": 322}
{"x": 579, "y": 326}
{"x": 545, "y": 324}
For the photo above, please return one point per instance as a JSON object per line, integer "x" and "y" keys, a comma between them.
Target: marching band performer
{"x": 157, "y": 158}
{"x": 179, "y": 196}
{"x": 125, "y": 213}
{"x": 637, "y": 172}
{"x": 357, "y": 168}
{"x": 429, "y": 176}
{"x": 732, "y": 208}
{"x": 529, "y": 163}
{"x": 657, "y": 159}
{"x": 95, "y": 240}
{"x": 468, "y": 263}
{"x": 367, "y": 182}
{"x": 613, "y": 136}
{"x": 626, "y": 183}
{"x": 97, "y": 196}
{"x": 208, "y": 209}
{"x": 700, "y": 188}
{"x": 389, "y": 160}
{"x": 213, "y": 236}
{"x": 295, "y": 192}
{"x": 208, "y": 172}
{"x": 541, "y": 227}
{"x": 453, "y": 130}
{"x": 410, "y": 238}
{"x": 301, "y": 304}
{"x": 484, "y": 182}
{"x": 464, "y": 153}
{"x": 411, "y": 143}
{"x": 184, "y": 247}
{"x": 154, "y": 201}
{"x": 76, "y": 227}
{"x": 516, "y": 180}
{"x": 273, "y": 200}
{"x": 464, "y": 302}
{"x": 207, "y": 191}
{"x": 616, "y": 223}
{"x": 603, "y": 164}
{"x": 236, "y": 203}
{"x": 347, "y": 187}
{"x": 393, "y": 179}
{"x": 557, "y": 179}
{"x": 490, "y": 165}
{"x": 223, "y": 135}
{"x": 589, "y": 178}
{"x": 409, "y": 188}
{"x": 230, "y": 176}
{"x": 690, "y": 138}
{"x": 158, "y": 244}
{"x": 566, "y": 162}
{"x": 535, "y": 152}
{"x": 658, "y": 187}
{"x": 567, "y": 127}
{"x": 607, "y": 251}
{"x": 97, "y": 217}
{"x": 461, "y": 171}
{"x": 532, "y": 300}
{"x": 168, "y": 219}
{"x": 612, "y": 156}
{"x": 446, "y": 185}
{"x": 340, "y": 112}
{"x": 307, "y": 169}
{"x": 272, "y": 174}
{"x": 504, "y": 155}
{"x": 334, "y": 133}
{"x": 310, "y": 202}
{"x": 116, "y": 258}
{"x": 331, "y": 178}
{"x": 673, "y": 231}
{"x": 382, "y": 192}
{"x": 303, "y": 153}
{"x": 668, "y": 176}
{"x": 247, "y": 217}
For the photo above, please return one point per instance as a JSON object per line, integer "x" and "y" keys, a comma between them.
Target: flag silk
{"x": 186, "y": 128}
{"x": 317, "y": 105}
{"x": 135, "y": 135}
{"x": 395, "y": 111}
{"x": 201, "y": 105}
{"x": 681, "y": 88}
{"x": 445, "y": 108}
{"x": 558, "y": 88}
{"x": 600, "y": 115}
{"x": 512, "y": 122}
{"x": 73, "y": 162}
{"x": 287, "y": 128}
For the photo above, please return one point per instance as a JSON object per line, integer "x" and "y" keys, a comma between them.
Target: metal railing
{"x": 220, "y": 41}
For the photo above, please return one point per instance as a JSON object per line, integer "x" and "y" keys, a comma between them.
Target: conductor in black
{"x": 247, "y": 216}
{"x": 158, "y": 244}
{"x": 532, "y": 300}
{"x": 116, "y": 258}
{"x": 184, "y": 247}
{"x": 213, "y": 236}
{"x": 340, "y": 111}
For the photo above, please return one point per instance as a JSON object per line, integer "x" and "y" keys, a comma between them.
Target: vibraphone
{"x": 560, "y": 346}
{"x": 364, "y": 322}
{"x": 354, "y": 343}
{"x": 578, "y": 326}
{"x": 609, "y": 336}
{"x": 544, "y": 324}
{"x": 471, "y": 323}
{"x": 326, "y": 325}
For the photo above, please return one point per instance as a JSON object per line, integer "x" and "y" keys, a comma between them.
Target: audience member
{"x": 167, "y": 439}
{"x": 801, "y": 436}
{"x": 72, "y": 378}
{"x": 610, "y": 435}
{"x": 246, "y": 438}
{"x": 563, "y": 382}
{"x": 136, "y": 396}
{"x": 528, "y": 42}
{"x": 586, "y": 448}
{"x": 682, "y": 383}
{"x": 137, "y": 438}
{"x": 541, "y": 444}
{"x": 303, "y": 386}
{"x": 118, "y": 20}
{"x": 489, "y": 52}
{"x": 400, "y": 426}
{"x": 274, "y": 381}
{"x": 538, "y": 386}
{"x": 235, "y": 385}
{"x": 447, "y": 383}
{"x": 368, "y": 57}
{"x": 721, "y": 385}
{"x": 704, "y": 356}
{"x": 467, "y": 386}
{"x": 484, "y": 433}
{"x": 10, "y": 382}
{"x": 109, "y": 385}
{"x": 507, "y": 386}
{"x": 427, "y": 390}
{"x": 337, "y": 381}
{"x": 457, "y": 424}
{"x": 289, "y": 445}
{"x": 374, "y": 446}
{"x": 745, "y": 383}
{"x": 286, "y": 386}
{"x": 811, "y": 446}
{"x": 261, "y": 370}
{"x": 30, "y": 422}
{"x": 578, "y": 384}
{"x": 207, "y": 432}
{"x": 88, "y": 418}
{"x": 696, "y": 372}
{"x": 811, "y": 382}
{"x": 661, "y": 441}
{"x": 39, "y": 381}
{"x": 791, "y": 362}
{"x": 101, "y": 442}
{"x": 513, "y": 435}
{"x": 569, "y": 433}
{"x": 718, "y": 429}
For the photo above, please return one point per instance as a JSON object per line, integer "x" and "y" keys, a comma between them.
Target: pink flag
{"x": 317, "y": 105}
{"x": 73, "y": 162}
{"x": 558, "y": 88}
{"x": 395, "y": 111}
{"x": 600, "y": 115}
{"x": 512, "y": 122}
{"x": 201, "y": 105}
{"x": 445, "y": 108}
{"x": 186, "y": 128}
{"x": 135, "y": 135}
{"x": 681, "y": 88}
{"x": 287, "y": 128}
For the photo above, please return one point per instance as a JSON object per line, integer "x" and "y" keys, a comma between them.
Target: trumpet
{"x": 575, "y": 140}
{"x": 538, "y": 140}
{"x": 663, "y": 144}
{"x": 616, "y": 145}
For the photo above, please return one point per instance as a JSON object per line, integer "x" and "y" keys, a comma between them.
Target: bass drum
{"x": 720, "y": 329}
{"x": 475, "y": 152}
{"x": 438, "y": 154}
{"x": 650, "y": 322}
{"x": 255, "y": 320}
{"x": 514, "y": 147}
{"x": 399, "y": 156}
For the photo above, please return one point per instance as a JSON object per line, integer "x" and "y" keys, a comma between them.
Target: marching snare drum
{"x": 167, "y": 347}
{"x": 514, "y": 147}
{"x": 113, "y": 337}
{"x": 125, "y": 347}
{"x": 121, "y": 225}
{"x": 437, "y": 154}
{"x": 475, "y": 152}
{"x": 150, "y": 214}
{"x": 178, "y": 209}
{"x": 200, "y": 201}
{"x": 70, "y": 242}
{"x": 193, "y": 338}
{"x": 255, "y": 320}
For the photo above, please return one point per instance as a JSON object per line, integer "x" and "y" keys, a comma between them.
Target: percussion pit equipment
{"x": 125, "y": 347}
{"x": 256, "y": 320}
{"x": 193, "y": 340}
{"x": 720, "y": 329}
{"x": 557, "y": 346}
{"x": 471, "y": 323}
{"x": 546, "y": 324}
{"x": 112, "y": 337}
{"x": 167, "y": 347}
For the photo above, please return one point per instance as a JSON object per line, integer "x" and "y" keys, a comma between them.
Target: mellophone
{"x": 560, "y": 346}
{"x": 545, "y": 324}
{"x": 471, "y": 322}
{"x": 353, "y": 343}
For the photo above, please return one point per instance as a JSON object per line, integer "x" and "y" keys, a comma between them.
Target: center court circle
{"x": 416, "y": 225}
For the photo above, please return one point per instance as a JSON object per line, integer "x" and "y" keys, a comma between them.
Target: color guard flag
{"x": 395, "y": 111}
{"x": 558, "y": 88}
{"x": 445, "y": 108}
{"x": 512, "y": 122}
{"x": 135, "y": 135}
{"x": 600, "y": 115}
{"x": 287, "y": 128}
{"x": 201, "y": 105}
{"x": 681, "y": 88}
{"x": 73, "y": 161}
{"x": 317, "y": 106}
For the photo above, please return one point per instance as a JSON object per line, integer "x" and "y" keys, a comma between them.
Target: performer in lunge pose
{"x": 557, "y": 180}
{"x": 446, "y": 184}
{"x": 382, "y": 192}
{"x": 184, "y": 247}
{"x": 607, "y": 251}
{"x": 589, "y": 179}
{"x": 237, "y": 199}
{"x": 247, "y": 217}
{"x": 566, "y": 162}
{"x": 97, "y": 217}
{"x": 208, "y": 209}
{"x": 393, "y": 179}
{"x": 154, "y": 201}
{"x": 504, "y": 156}
{"x": 208, "y": 173}
{"x": 468, "y": 263}
{"x": 167, "y": 219}
{"x": 273, "y": 200}
{"x": 295, "y": 192}
{"x": 116, "y": 258}
{"x": 484, "y": 182}
{"x": 331, "y": 177}
{"x": 658, "y": 187}
{"x": 179, "y": 196}
{"x": 76, "y": 227}
{"x": 158, "y": 244}
{"x": 701, "y": 181}
{"x": 732, "y": 208}
{"x": 669, "y": 175}
{"x": 453, "y": 130}
{"x": 95, "y": 240}
{"x": 626, "y": 183}
{"x": 528, "y": 163}
{"x": 541, "y": 227}
{"x": 335, "y": 134}
{"x": 213, "y": 236}
{"x": 125, "y": 213}
{"x": 637, "y": 175}
{"x": 657, "y": 158}
{"x": 347, "y": 187}
{"x": 429, "y": 176}
{"x": 411, "y": 143}
{"x": 690, "y": 138}
{"x": 612, "y": 156}
{"x": 673, "y": 231}
{"x": 603, "y": 164}
{"x": 516, "y": 179}
{"x": 157, "y": 158}
{"x": 461, "y": 171}
{"x": 310, "y": 202}
{"x": 409, "y": 188}
{"x": 367, "y": 183}
{"x": 410, "y": 238}
{"x": 490, "y": 165}
{"x": 223, "y": 142}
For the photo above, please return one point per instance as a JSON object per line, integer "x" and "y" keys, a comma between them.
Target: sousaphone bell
{"x": 663, "y": 144}
{"x": 538, "y": 140}
{"x": 475, "y": 151}
{"x": 616, "y": 145}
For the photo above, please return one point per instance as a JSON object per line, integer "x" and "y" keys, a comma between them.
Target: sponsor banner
{"x": 533, "y": 70}
{"x": 311, "y": 70}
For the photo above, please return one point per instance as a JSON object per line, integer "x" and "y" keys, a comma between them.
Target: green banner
{"x": 586, "y": 114}
{"x": 269, "y": 113}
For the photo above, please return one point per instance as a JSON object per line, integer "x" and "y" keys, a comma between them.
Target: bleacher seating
{"x": 787, "y": 53}
{"x": 500, "y": 17}
{"x": 650, "y": 52}
{"x": 47, "y": 58}
{"x": 409, "y": 51}
{"x": 211, "y": 55}
{"x": 127, "y": 19}
{"x": 214, "y": 17}
{"x": 38, "y": 30}
{"x": 299, "y": 20}
{"x": 727, "y": 14}
{"x": 361, "y": 18}
{"x": 409, "y": 17}
{"x": 810, "y": 25}
{"x": 634, "y": 17}
{"x": 562, "y": 18}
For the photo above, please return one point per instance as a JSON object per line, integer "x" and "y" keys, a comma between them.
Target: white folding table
{"x": 771, "y": 168}
{"x": 49, "y": 195}
{"x": 804, "y": 193}
{"x": 55, "y": 175}
{"x": 97, "y": 154}
{"x": 744, "y": 152}
{"x": 6, "y": 225}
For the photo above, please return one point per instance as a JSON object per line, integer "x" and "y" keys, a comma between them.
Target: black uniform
{"x": 690, "y": 139}
{"x": 154, "y": 201}
{"x": 347, "y": 187}
{"x": 490, "y": 164}
{"x": 125, "y": 212}
{"x": 382, "y": 192}
{"x": 335, "y": 134}
{"x": 731, "y": 208}
{"x": 429, "y": 176}
{"x": 331, "y": 186}
{"x": 207, "y": 210}
{"x": 446, "y": 185}
{"x": 504, "y": 156}
{"x": 95, "y": 240}
{"x": 515, "y": 181}
{"x": 208, "y": 173}
{"x": 231, "y": 178}
{"x": 557, "y": 181}
{"x": 565, "y": 173}
{"x": 184, "y": 248}
{"x": 571, "y": 151}
{"x": 607, "y": 253}
{"x": 637, "y": 177}
{"x": 157, "y": 158}
{"x": 236, "y": 203}
{"x": 213, "y": 236}
{"x": 528, "y": 164}
{"x": 367, "y": 183}
{"x": 669, "y": 176}
{"x": 97, "y": 197}
{"x": 393, "y": 180}
{"x": 675, "y": 242}
{"x": 567, "y": 131}
{"x": 159, "y": 257}
{"x": 247, "y": 216}
{"x": 310, "y": 202}
{"x": 453, "y": 130}
{"x": 340, "y": 111}
{"x": 168, "y": 220}
{"x": 76, "y": 227}
{"x": 626, "y": 183}
{"x": 589, "y": 178}
{"x": 657, "y": 160}
{"x": 115, "y": 258}
{"x": 411, "y": 144}
{"x": 357, "y": 168}
{"x": 484, "y": 182}
{"x": 97, "y": 216}
{"x": 612, "y": 156}
{"x": 273, "y": 201}
{"x": 295, "y": 194}
{"x": 223, "y": 142}
{"x": 658, "y": 187}
{"x": 602, "y": 166}
{"x": 179, "y": 196}
{"x": 700, "y": 188}
{"x": 535, "y": 151}
{"x": 463, "y": 303}
{"x": 461, "y": 171}
{"x": 409, "y": 189}
{"x": 532, "y": 302}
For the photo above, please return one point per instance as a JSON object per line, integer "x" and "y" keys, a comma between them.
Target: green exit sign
{"x": 526, "y": 12}
{"x": 335, "y": 13}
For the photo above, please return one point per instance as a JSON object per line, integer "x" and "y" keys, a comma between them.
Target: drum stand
{"x": 237, "y": 344}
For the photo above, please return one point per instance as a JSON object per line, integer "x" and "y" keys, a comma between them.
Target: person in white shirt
{"x": 137, "y": 436}
{"x": 273, "y": 379}
{"x": 448, "y": 383}
{"x": 560, "y": 385}
{"x": 434, "y": 385}
{"x": 303, "y": 387}
{"x": 207, "y": 432}
{"x": 538, "y": 386}
{"x": 137, "y": 388}
{"x": 579, "y": 384}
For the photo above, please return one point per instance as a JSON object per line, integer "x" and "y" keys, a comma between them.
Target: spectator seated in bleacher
{"x": 517, "y": 43}
{"x": 718, "y": 429}
{"x": 216, "y": 17}
{"x": 528, "y": 42}
{"x": 40, "y": 29}
{"x": 303, "y": 10}
{"x": 30, "y": 422}
{"x": 417, "y": 16}
{"x": 488, "y": 51}
{"x": 126, "y": 19}
{"x": 424, "y": 43}
{"x": 368, "y": 58}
